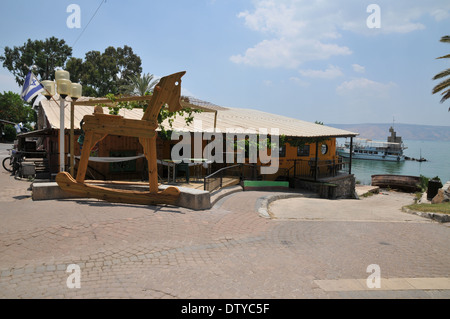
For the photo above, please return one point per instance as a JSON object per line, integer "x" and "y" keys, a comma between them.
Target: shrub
{"x": 423, "y": 184}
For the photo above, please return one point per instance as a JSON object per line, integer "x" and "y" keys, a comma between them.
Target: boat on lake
{"x": 391, "y": 150}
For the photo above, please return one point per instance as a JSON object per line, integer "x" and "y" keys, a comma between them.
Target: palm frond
{"x": 442, "y": 74}
{"x": 441, "y": 86}
{"x": 445, "y": 39}
{"x": 444, "y": 57}
{"x": 140, "y": 85}
{"x": 445, "y": 96}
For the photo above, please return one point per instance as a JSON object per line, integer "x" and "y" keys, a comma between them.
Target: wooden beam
{"x": 117, "y": 125}
{"x": 188, "y": 105}
{"x": 168, "y": 196}
{"x": 149, "y": 146}
{"x": 124, "y": 131}
{"x": 108, "y": 101}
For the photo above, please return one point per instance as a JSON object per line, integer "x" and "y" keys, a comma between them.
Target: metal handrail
{"x": 216, "y": 173}
{"x": 222, "y": 169}
{"x": 241, "y": 165}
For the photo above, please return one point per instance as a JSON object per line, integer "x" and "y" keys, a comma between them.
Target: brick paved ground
{"x": 129, "y": 251}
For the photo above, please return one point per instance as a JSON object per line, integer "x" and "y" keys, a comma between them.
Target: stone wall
{"x": 345, "y": 186}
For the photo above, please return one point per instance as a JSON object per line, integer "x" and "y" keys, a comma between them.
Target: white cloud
{"x": 331, "y": 73}
{"x": 298, "y": 81}
{"x": 297, "y": 31}
{"x": 358, "y": 68}
{"x": 440, "y": 14}
{"x": 288, "y": 53}
{"x": 273, "y": 17}
{"x": 292, "y": 37}
{"x": 399, "y": 17}
{"x": 362, "y": 87}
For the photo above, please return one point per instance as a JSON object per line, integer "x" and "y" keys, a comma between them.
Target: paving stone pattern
{"x": 230, "y": 251}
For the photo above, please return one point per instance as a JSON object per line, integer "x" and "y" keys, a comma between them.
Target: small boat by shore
{"x": 392, "y": 150}
{"x": 400, "y": 182}
{"x": 415, "y": 159}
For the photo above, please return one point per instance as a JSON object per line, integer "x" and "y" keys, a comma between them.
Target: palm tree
{"x": 140, "y": 85}
{"x": 444, "y": 86}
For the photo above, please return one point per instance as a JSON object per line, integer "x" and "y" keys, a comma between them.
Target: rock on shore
{"x": 443, "y": 194}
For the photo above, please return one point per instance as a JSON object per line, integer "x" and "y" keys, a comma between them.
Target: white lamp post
{"x": 76, "y": 91}
{"x": 64, "y": 88}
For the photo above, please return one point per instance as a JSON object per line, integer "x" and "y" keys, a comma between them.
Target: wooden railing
{"x": 312, "y": 169}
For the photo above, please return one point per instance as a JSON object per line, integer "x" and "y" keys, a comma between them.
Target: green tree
{"x": 139, "y": 85}
{"x": 105, "y": 73}
{"x": 10, "y": 133}
{"x": 14, "y": 109}
{"x": 444, "y": 86}
{"x": 46, "y": 55}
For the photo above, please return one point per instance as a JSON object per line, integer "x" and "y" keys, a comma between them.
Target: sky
{"x": 342, "y": 62}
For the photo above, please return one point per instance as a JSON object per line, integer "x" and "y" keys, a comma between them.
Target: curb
{"x": 220, "y": 194}
{"x": 262, "y": 204}
{"x": 441, "y": 218}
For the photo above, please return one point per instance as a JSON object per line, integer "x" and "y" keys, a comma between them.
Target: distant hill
{"x": 406, "y": 131}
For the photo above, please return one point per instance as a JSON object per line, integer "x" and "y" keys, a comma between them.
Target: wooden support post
{"x": 295, "y": 168}
{"x": 149, "y": 146}
{"x": 316, "y": 161}
{"x": 85, "y": 152}
{"x": 351, "y": 156}
{"x": 90, "y": 140}
{"x": 215, "y": 121}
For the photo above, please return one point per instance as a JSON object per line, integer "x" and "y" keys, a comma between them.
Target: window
{"x": 303, "y": 150}
{"x": 324, "y": 149}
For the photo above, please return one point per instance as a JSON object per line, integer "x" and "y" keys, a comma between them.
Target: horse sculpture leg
{"x": 90, "y": 140}
{"x": 149, "y": 146}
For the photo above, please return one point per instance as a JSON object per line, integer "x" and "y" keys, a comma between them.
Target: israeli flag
{"x": 31, "y": 87}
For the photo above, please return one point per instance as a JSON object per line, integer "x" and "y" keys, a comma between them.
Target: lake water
{"x": 437, "y": 164}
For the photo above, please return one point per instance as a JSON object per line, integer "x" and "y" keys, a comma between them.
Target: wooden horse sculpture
{"x": 98, "y": 126}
